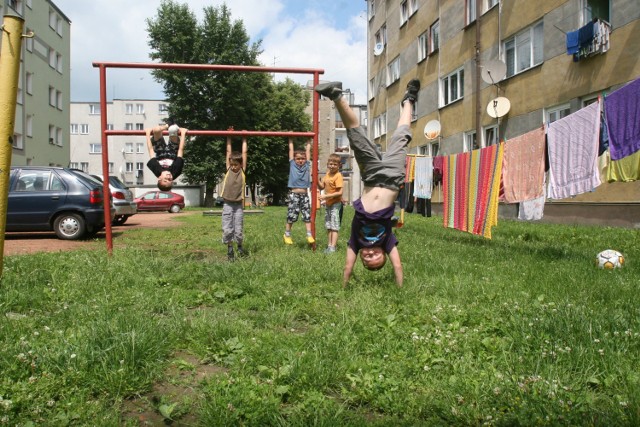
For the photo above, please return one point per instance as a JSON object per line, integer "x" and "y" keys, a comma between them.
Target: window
{"x": 452, "y": 87}
{"x": 73, "y": 129}
{"x": 29, "y": 42}
{"x": 490, "y": 135}
{"x": 59, "y": 100}
{"x": 84, "y": 166}
{"x": 139, "y": 166}
{"x": 128, "y": 109}
{"x": 429, "y": 149}
{"x": 404, "y": 12}
{"x": 53, "y": 56}
{"x": 73, "y": 165}
{"x": 434, "y": 32}
{"x": 29, "y": 87}
{"x": 380, "y": 125}
{"x": 129, "y": 166}
{"x": 109, "y": 126}
{"x": 524, "y": 50}
{"x": 94, "y": 108}
{"x": 381, "y": 35}
{"x": 95, "y": 148}
{"x": 139, "y": 108}
{"x": 470, "y": 141}
{"x": 595, "y": 9}
{"x": 29, "y": 125}
{"x": 128, "y": 126}
{"x": 16, "y": 5}
{"x": 59, "y": 63}
{"x": 53, "y": 20}
{"x": 372, "y": 88}
{"x": 110, "y": 167}
{"x": 393, "y": 71}
{"x": 17, "y": 141}
{"x": 59, "y": 137}
{"x": 470, "y": 10}
{"x": 52, "y": 96}
{"x": 128, "y": 147}
{"x": 423, "y": 46}
{"x": 372, "y": 8}
{"x": 84, "y": 129}
{"x": 52, "y": 134}
{"x": 588, "y": 100}
{"x": 557, "y": 113}
{"x": 139, "y": 126}
{"x": 162, "y": 108}
{"x": 139, "y": 147}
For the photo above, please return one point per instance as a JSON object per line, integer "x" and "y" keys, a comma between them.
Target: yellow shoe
{"x": 287, "y": 240}
{"x": 310, "y": 240}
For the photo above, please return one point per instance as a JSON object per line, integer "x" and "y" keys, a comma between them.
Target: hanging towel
{"x": 424, "y": 178}
{"x": 471, "y": 184}
{"x": 624, "y": 170}
{"x": 523, "y": 167}
{"x": 531, "y": 210}
{"x": 622, "y": 109}
{"x": 573, "y": 153}
{"x": 573, "y": 44}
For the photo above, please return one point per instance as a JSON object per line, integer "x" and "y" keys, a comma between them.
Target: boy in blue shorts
{"x": 382, "y": 175}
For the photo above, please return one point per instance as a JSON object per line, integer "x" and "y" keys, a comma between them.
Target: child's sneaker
{"x": 310, "y": 240}
{"x": 287, "y": 240}
{"x": 411, "y": 95}
{"x": 331, "y": 90}
{"x": 329, "y": 250}
{"x": 230, "y": 255}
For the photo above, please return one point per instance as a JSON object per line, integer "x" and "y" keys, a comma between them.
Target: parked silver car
{"x": 122, "y": 200}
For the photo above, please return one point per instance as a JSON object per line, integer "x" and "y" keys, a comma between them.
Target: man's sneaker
{"x": 411, "y": 95}
{"x": 310, "y": 240}
{"x": 331, "y": 90}
{"x": 287, "y": 240}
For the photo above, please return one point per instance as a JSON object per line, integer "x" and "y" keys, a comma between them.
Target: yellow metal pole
{"x": 9, "y": 72}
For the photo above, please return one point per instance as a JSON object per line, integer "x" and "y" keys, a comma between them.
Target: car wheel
{"x": 69, "y": 226}
{"x": 120, "y": 219}
{"x": 174, "y": 209}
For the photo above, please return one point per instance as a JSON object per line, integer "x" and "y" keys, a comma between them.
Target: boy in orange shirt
{"x": 332, "y": 186}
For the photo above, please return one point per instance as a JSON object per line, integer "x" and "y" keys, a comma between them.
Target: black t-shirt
{"x": 372, "y": 229}
{"x": 175, "y": 168}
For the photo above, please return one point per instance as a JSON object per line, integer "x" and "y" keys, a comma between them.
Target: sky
{"x": 324, "y": 34}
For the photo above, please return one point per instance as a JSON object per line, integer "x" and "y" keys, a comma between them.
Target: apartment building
{"x": 41, "y": 133}
{"x": 449, "y": 43}
{"x": 128, "y": 155}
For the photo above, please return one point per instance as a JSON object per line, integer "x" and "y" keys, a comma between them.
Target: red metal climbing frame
{"x": 232, "y": 68}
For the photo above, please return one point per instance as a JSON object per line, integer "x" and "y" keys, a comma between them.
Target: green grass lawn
{"x": 522, "y": 329}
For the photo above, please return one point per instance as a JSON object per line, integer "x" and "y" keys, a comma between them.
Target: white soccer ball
{"x": 609, "y": 259}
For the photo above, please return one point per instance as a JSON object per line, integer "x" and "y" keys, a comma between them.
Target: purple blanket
{"x": 622, "y": 109}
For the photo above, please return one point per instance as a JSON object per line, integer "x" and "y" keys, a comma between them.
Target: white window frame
{"x": 29, "y": 125}
{"x": 423, "y": 46}
{"x": 470, "y": 141}
{"x": 139, "y": 166}
{"x": 589, "y": 99}
{"x": 129, "y": 167}
{"x": 52, "y": 96}
{"x": 404, "y": 12}
{"x": 53, "y": 56}
{"x": 490, "y": 135}
{"x": 95, "y": 148}
{"x": 84, "y": 129}
{"x": 470, "y": 11}
{"x": 587, "y": 13}
{"x": 556, "y": 113}
{"x": 139, "y": 126}
{"x": 128, "y": 126}
{"x": 434, "y": 37}
{"x": 84, "y": 166}
{"x": 128, "y": 147}
{"x": 110, "y": 167}
{"x": 524, "y": 50}
{"x": 381, "y": 35}
{"x": 372, "y": 88}
{"x": 163, "y": 109}
{"x": 29, "y": 84}
{"x": 18, "y": 142}
{"x": 139, "y": 147}
{"x": 393, "y": 71}
{"x": 59, "y": 62}
{"x": 448, "y": 93}
{"x": 59, "y": 100}
{"x": 372, "y": 8}
{"x": 59, "y": 137}
{"x": 74, "y": 129}
{"x": 94, "y": 109}
{"x": 139, "y": 108}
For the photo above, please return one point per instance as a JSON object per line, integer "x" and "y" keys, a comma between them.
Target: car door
{"x": 165, "y": 200}
{"x": 34, "y": 196}
{"x": 148, "y": 202}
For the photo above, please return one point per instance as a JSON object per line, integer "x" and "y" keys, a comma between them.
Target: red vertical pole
{"x": 314, "y": 175}
{"x": 105, "y": 158}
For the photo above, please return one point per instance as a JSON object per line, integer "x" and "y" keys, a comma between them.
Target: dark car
{"x": 160, "y": 201}
{"x": 67, "y": 201}
{"x": 122, "y": 199}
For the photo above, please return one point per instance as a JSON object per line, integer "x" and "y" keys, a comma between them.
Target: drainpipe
{"x": 478, "y": 69}
{"x": 9, "y": 72}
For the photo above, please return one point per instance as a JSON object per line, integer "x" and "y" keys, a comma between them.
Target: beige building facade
{"x": 447, "y": 45}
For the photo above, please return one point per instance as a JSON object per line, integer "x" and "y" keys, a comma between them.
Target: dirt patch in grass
{"x": 177, "y": 395}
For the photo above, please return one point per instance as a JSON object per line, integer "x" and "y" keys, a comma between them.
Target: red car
{"x": 160, "y": 201}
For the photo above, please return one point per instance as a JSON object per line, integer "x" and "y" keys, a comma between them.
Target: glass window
{"x": 524, "y": 50}
{"x": 393, "y": 71}
{"x": 490, "y": 135}
{"x": 557, "y": 113}
{"x": 423, "y": 46}
{"x": 95, "y": 148}
{"x": 470, "y": 11}
{"x": 128, "y": 109}
{"x": 110, "y": 167}
{"x": 139, "y": 147}
{"x": 162, "y": 108}
{"x": 29, "y": 125}
{"x": 129, "y": 166}
{"x": 29, "y": 87}
{"x": 404, "y": 12}
{"x": 381, "y": 35}
{"x": 139, "y": 126}
{"x": 595, "y": 9}
{"x": 452, "y": 87}
{"x": 140, "y": 108}
{"x": 128, "y": 126}
{"x": 372, "y": 8}
{"x": 94, "y": 108}
{"x": 435, "y": 36}
{"x": 128, "y": 147}
{"x": 470, "y": 141}
{"x": 84, "y": 129}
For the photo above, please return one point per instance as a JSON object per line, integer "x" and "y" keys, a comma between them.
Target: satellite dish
{"x": 378, "y": 49}
{"x": 493, "y": 71}
{"x": 432, "y": 129}
{"x": 498, "y": 107}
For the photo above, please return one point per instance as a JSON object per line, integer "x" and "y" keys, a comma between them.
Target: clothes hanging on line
{"x": 523, "y": 167}
{"x": 622, "y": 113}
{"x": 423, "y": 183}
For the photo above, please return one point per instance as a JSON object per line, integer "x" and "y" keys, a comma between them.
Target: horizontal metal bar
{"x": 174, "y": 66}
{"x": 216, "y": 133}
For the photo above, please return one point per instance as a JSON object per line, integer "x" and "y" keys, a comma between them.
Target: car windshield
{"x": 115, "y": 182}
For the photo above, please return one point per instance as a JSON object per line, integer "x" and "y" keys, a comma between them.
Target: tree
{"x": 218, "y": 100}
